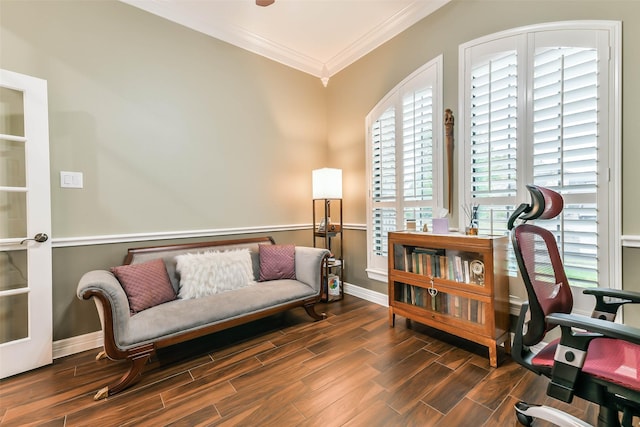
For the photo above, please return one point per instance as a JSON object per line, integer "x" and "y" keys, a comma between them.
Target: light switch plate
{"x": 71, "y": 179}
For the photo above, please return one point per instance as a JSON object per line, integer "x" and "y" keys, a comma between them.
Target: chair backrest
{"x": 540, "y": 264}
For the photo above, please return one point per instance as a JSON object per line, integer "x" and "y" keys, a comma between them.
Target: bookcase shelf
{"x": 452, "y": 282}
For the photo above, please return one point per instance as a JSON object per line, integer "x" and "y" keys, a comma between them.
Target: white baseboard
{"x": 69, "y": 346}
{"x": 366, "y": 294}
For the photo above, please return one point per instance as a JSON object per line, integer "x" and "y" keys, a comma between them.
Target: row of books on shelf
{"x": 457, "y": 266}
{"x": 452, "y": 305}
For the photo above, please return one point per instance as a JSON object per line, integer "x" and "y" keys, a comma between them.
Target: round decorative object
{"x": 477, "y": 270}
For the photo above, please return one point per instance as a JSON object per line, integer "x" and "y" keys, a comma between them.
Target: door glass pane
{"x": 11, "y": 112}
{"x": 12, "y": 164}
{"x": 14, "y": 311}
{"x": 13, "y": 214}
{"x": 13, "y": 270}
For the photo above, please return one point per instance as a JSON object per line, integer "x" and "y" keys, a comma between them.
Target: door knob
{"x": 40, "y": 237}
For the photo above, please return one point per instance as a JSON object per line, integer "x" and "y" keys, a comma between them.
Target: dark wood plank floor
{"x": 351, "y": 369}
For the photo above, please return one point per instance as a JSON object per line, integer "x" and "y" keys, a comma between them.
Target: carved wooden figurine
{"x": 448, "y": 126}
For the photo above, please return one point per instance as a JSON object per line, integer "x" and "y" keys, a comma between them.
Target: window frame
{"x": 610, "y": 250}
{"x": 377, "y": 265}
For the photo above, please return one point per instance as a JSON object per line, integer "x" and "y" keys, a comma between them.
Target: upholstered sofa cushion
{"x": 277, "y": 262}
{"x": 181, "y": 316}
{"x": 146, "y": 284}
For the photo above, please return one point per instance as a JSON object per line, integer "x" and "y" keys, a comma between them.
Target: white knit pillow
{"x": 210, "y": 273}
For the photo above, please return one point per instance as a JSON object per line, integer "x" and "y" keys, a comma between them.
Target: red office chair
{"x": 601, "y": 365}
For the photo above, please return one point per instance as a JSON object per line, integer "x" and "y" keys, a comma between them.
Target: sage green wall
{"x": 353, "y": 92}
{"x": 173, "y": 130}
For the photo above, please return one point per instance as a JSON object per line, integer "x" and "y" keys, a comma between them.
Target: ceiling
{"x": 319, "y": 37}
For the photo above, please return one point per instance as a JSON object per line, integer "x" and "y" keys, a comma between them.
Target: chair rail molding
{"x": 63, "y": 242}
{"x": 630, "y": 240}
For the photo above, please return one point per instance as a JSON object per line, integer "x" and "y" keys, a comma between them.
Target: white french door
{"x": 25, "y": 223}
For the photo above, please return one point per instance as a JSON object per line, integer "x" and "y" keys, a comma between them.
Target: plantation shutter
{"x": 536, "y": 105}
{"x": 493, "y": 127}
{"x": 565, "y": 151}
{"x": 403, "y": 170}
{"x": 383, "y": 179}
{"x": 417, "y": 151}
{"x": 493, "y": 138}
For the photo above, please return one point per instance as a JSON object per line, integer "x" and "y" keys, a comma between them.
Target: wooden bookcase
{"x": 452, "y": 282}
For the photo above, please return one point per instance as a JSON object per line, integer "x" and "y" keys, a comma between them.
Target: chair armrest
{"x": 607, "y": 310}
{"x": 631, "y": 296}
{"x": 604, "y": 328}
{"x": 309, "y": 265}
{"x": 112, "y": 305}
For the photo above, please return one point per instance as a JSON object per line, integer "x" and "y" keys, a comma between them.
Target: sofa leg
{"x": 311, "y": 311}
{"x": 138, "y": 358}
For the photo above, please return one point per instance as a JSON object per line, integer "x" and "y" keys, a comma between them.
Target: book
{"x": 474, "y": 310}
{"x": 459, "y": 275}
{"x": 466, "y": 271}
{"x": 334, "y": 285}
{"x": 429, "y": 262}
{"x": 398, "y": 261}
{"x": 407, "y": 260}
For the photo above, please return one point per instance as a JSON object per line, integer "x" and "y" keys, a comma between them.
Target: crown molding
{"x": 383, "y": 33}
{"x": 232, "y": 34}
{"x": 254, "y": 43}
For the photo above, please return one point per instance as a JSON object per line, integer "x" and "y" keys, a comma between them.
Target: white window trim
{"x": 613, "y": 257}
{"x": 375, "y": 271}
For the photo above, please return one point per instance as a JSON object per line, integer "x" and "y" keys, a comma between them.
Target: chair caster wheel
{"x": 523, "y": 419}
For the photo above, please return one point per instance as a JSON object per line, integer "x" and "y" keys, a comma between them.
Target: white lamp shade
{"x": 327, "y": 183}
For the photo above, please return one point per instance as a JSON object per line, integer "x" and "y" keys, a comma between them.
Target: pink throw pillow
{"x": 277, "y": 262}
{"x": 146, "y": 284}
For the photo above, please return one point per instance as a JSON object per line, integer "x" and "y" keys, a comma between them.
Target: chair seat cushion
{"x": 609, "y": 359}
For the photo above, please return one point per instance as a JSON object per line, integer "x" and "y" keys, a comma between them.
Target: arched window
{"x": 404, "y": 152}
{"x": 541, "y": 105}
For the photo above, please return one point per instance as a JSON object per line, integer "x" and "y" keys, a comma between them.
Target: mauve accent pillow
{"x": 277, "y": 262}
{"x": 146, "y": 284}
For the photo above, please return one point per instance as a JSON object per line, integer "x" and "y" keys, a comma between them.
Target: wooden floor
{"x": 351, "y": 369}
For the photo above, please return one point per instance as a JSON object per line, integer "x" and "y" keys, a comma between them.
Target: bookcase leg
{"x": 392, "y": 318}
{"x": 507, "y": 344}
{"x": 493, "y": 355}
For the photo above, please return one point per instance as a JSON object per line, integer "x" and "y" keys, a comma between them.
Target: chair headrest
{"x": 545, "y": 204}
